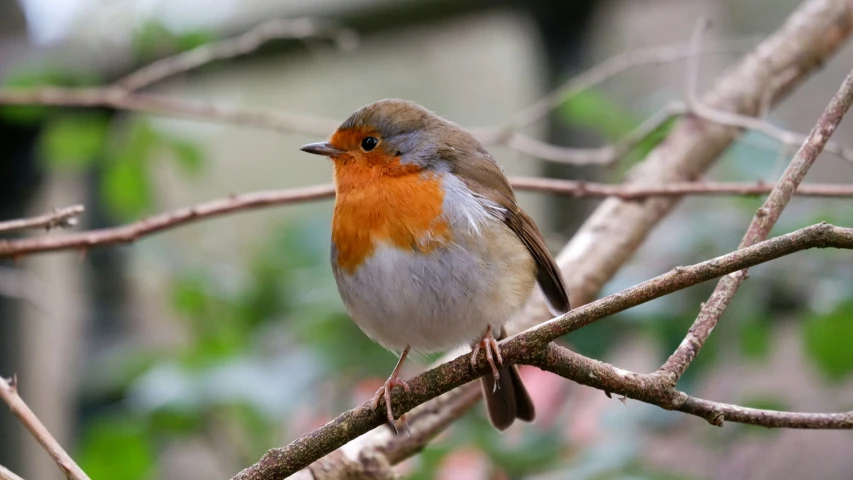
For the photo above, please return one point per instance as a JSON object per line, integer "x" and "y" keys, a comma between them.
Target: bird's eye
{"x": 369, "y": 143}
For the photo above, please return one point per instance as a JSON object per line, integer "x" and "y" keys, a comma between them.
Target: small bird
{"x": 429, "y": 249}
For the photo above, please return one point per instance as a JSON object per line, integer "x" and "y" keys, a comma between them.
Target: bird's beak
{"x": 321, "y": 148}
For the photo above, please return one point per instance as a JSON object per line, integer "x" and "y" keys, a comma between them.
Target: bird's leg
{"x": 385, "y": 390}
{"x": 493, "y": 352}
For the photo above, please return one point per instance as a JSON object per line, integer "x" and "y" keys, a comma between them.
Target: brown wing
{"x": 484, "y": 176}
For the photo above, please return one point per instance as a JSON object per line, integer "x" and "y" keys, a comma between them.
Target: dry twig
{"x": 9, "y": 395}
{"x": 733, "y": 119}
{"x": 300, "y": 28}
{"x": 759, "y": 229}
{"x": 64, "y": 217}
{"x": 618, "y": 227}
{"x": 6, "y": 474}
{"x": 265, "y": 199}
{"x": 122, "y": 96}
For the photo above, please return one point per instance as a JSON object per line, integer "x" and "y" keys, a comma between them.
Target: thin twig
{"x": 733, "y": 119}
{"x": 617, "y": 228}
{"x": 64, "y": 217}
{"x": 130, "y": 232}
{"x": 168, "y": 106}
{"x": 635, "y": 192}
{"x": 760, "y": 227}
{"x": 532, "y": 347}
{"x": 300, "y": 28}
{"x": 657, "y": 389}
{"x": 265, "y": 199}
{"x": 6, "y": 474}
{"x": 9, "y": 395}
{"x": 121, "y": 96}
{"x": 609, "y": 68}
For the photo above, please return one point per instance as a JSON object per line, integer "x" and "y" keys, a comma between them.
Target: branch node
{"x": 716, "y": 418}
{"x": 13, "y": 384}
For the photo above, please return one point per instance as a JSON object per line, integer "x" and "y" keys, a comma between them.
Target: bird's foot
{"x": 493, "y": 354}
{"x": 385, "y": 392}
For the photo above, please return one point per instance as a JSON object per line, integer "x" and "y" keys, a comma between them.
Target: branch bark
{"x": 6, "y": 474}
{"x": 64, "y": 217}
{"x": 616, "y": 229}
{"x": 9, "y": 395}
{"x": 760, "y": 227}
{"x": 265, "y": 199}
{"x": 299, "y": 28}
{"x": 532, "y": 347}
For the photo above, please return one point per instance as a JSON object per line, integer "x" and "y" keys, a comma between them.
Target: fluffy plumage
{"x": 429, "y": 248}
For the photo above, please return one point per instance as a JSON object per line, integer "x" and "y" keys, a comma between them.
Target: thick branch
{"x": 530, "y": 347}
{"x": 618, "y": 227}
{"x": 760, "y": 227}
{"x": 373, "y": 455}
{"x": 64, "y": 217}
{"x": 9, "y": 395}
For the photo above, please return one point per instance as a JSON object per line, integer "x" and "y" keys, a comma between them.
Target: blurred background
{"x": 190, "y": 353}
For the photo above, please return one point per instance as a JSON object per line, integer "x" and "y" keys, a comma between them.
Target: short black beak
{"x": 321, "y": 148}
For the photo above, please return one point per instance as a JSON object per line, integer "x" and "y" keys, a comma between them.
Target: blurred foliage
{"x": 116, "y": 447}
{"x": 595, "y": 112}
{"x": 153, "y": 41}
{"x": 828, "y": 337}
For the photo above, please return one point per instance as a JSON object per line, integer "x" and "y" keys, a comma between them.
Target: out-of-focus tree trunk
{"x": 19, "y": 178}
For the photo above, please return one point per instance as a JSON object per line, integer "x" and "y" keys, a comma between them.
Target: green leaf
{"x": 116, "y": 448}
{"x": 828, "y": 338}
{"x": 73, "y": 141}
{"x": 125, "y": 187}
{"x": 594, "y": 110}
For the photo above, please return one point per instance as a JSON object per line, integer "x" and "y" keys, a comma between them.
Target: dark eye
{"x": 369, "y": 143}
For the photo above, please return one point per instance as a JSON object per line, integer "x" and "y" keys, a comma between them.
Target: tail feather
{"x": 509, "y": 401}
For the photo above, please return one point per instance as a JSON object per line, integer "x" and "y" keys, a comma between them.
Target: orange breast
{"x": 399, "y": 206}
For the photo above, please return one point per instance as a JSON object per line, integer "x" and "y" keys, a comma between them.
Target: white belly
{"x": 441, "y": 300}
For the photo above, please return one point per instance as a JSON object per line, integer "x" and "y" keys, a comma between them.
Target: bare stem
{"x": 64, "y": 217}
{"x": 265, "y": 199}
{"x": 9, "y": 395}
{"x": 760, "y": 227}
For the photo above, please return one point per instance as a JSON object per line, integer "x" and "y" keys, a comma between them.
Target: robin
{"x": 429, "y": 249}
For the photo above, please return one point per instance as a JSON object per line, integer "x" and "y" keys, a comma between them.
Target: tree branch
{"x": 132, "y": 231}
{"x": 9, "y": 395}
{"x": 265, "y": 199}
{"x": 532, "y": 347}
{"x": 64, "y": 217}
{"x": 733, "y": 119}
{"x": 6, "y": 474}
{"x": 618, "y": 227}
{"x": 122, "y": 94}
{"x": 299, "y": 28}
{"x": 760, "y": 227}
{"x": 658, "y": 389}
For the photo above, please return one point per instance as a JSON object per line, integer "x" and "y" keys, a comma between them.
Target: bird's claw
{"x": 493, "y": 355}
{"x": 385, "y": 392}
